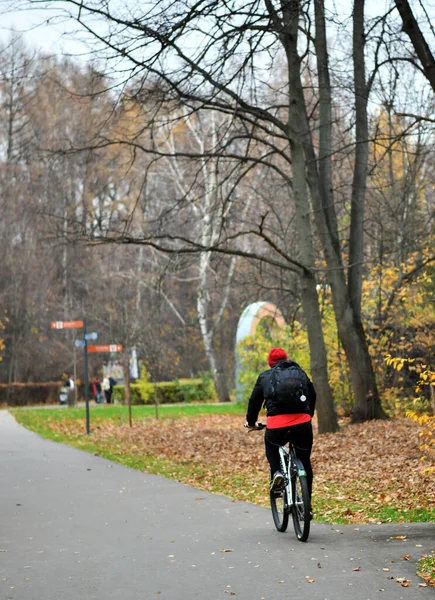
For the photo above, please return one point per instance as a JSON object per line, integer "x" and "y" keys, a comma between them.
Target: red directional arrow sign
{"x": 106, "y": 348}
{"x": 66, "y": 324}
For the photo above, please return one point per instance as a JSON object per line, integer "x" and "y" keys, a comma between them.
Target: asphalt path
{"x": 75, "y": 526}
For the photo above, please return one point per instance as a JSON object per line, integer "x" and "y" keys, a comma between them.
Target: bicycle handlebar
{"x": 257, "y": 427}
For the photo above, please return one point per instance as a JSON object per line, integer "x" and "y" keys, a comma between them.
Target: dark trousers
{"x": 302, "y": 438}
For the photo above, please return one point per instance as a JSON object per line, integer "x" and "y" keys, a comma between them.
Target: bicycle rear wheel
{"x": 279, "y": 505}
{"x": 301, "y": 506}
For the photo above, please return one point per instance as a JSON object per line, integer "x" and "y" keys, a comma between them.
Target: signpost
{"x": 66, "y": 324}
{"x": 84, "y": 344}
{"x": 79, "y": 344}
{"x": 106, "y": 348}
{"x": 85, "y": 348}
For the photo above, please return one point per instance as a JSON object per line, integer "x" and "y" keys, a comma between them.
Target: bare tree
{"x": 418, "y": 40}
{"x": 203, "y": 189}
{"x": 209, "y": 76}
{"x": 206, "y": 73}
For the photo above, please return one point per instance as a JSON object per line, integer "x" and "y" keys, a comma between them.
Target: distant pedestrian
{"x": 107, "y": 389}
{"x": 98, "y": 394}
{"x": 69, "y": 384}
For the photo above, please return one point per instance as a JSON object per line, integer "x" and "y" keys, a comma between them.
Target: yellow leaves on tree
{"x": 2, "y": 344}
{"x": 397, "y": 306}
{"x": 426, "y": 421}
{"x": 426, "y": 438}
{"x": 395, "y": 156}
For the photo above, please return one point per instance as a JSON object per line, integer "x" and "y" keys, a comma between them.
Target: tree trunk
{"x": 350, "y": 329}
{"x": 217, "y": 370}
{"x": 326, "y": 416}
{"x": 327, "y": 420}
{"x": 367, "y": 404}
{"x": 325, "y": 127}
{"x": 421, "y": 47}
{"x": 127, "y": 391}
{"x": 359, "y": 182}
{"x": 326, "y": 413}
{"x": 204, "y": 212}
{"x": 221, "y": 383}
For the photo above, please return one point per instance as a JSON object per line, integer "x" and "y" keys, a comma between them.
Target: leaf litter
{"x": 358, "y": 471}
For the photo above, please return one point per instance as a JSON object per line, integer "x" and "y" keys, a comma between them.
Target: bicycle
{"x": 293, "y": 497}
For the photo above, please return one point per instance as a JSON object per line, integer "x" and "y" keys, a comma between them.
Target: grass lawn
{"x": 426, "y": 568}
{"x": 119, "y": 414}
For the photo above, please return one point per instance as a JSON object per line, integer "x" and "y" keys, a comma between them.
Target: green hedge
{"x": 30, "y": 394}
{"x": 34, "y": 394}
{"x": 23, "y": 394}
{"x": 170, "y": 392}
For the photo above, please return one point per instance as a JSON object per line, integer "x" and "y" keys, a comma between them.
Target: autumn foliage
{"x": 400, "y": 324}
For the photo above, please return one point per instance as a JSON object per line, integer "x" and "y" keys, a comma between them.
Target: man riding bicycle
{"x": 290, "y": 399}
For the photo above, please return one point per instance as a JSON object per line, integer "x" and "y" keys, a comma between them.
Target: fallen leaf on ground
{"x": 216, "y": 448}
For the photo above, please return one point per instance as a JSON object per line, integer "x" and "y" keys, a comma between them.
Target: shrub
{"x": 398, "y": 309}
{"x": 427, "y": 437}
{"x": 146, "y": 389}
{"x": 118, "y": 394}
{"x": 29, "y": 394}
{"x": 197, "y": 390}
{"x": 168, "y": 392}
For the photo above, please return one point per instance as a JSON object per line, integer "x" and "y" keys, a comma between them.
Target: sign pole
{"x": 85, "y": 348}
{"x": 75, "y": 376}
{"x": 79, "y": 344}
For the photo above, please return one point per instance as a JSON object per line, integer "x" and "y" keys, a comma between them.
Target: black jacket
{"x": 262, "y": 392}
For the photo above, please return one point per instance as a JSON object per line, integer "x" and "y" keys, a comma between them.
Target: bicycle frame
{"x": 289, "y": 463}
{"x": 295, "y": 495}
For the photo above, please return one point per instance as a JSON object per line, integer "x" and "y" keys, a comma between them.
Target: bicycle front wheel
{"x": 301, "y": 506}
{"x": 279, "y": 505}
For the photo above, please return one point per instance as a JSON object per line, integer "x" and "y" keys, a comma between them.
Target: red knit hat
{"x": 275, "y": 355}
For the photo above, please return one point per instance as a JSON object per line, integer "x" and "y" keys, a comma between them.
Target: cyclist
{"x": 288, "y": 417}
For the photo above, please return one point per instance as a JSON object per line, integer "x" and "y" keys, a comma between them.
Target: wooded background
{"x": 210, "y": 155}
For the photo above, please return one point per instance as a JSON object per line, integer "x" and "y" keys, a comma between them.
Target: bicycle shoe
{"x": 277, "y": 481}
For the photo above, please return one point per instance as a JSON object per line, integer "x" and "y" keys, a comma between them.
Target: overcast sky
{"x": 43, "y": 30}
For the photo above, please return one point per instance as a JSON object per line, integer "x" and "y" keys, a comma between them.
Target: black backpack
{"x": 290, "y": 389}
